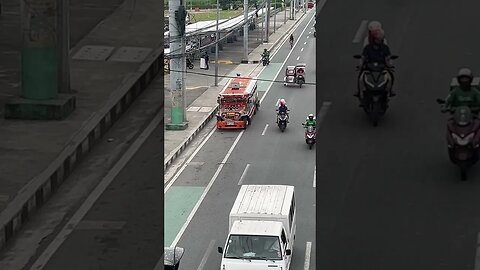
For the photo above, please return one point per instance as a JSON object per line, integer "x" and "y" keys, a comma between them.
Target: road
{"x": 273, "y": 158}
{"x": 122, "y": 229}
{"x": 387, "y": 196}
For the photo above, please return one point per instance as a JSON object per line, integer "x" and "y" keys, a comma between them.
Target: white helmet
{"x": 311, "y": 116}
{"x": 282, "y": 101}
{"x": 374, "y": 25}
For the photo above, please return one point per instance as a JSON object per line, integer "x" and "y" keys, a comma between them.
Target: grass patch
{"x": 212, "y": 15}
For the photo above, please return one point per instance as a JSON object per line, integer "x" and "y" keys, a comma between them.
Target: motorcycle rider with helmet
{"x": 283, "y": 108}
{"x": 291, "y": 40}
{"x": 464, "y": 94}
{"x": 377, "y": 52}
{"x": 266, "y": 54}
{"x": 373, "y": 28}
{"x": 310, "y": 121}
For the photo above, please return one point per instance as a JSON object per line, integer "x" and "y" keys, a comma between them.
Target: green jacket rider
{"x": 310, "y": 121}
{"x": 464, "y": 94}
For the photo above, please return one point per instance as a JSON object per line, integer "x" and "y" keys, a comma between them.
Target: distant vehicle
{"x": 262, "y": 226}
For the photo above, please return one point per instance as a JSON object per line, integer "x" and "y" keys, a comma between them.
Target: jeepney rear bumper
{"x": 222, "y": 124}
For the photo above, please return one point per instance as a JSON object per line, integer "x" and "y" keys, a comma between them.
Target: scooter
{"x": 463, "y": 137}
{"x": 265, "y": 61}
{"x": 282, "y": 120}
{"x": 310, "y": 134}
{"x": 374, "y": 98}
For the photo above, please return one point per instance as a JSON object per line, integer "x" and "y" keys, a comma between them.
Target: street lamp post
{"x": 216, "y": 45}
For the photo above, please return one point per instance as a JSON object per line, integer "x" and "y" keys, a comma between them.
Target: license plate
{"x": 230, "y": 123}
{"x": 463, "y": 155}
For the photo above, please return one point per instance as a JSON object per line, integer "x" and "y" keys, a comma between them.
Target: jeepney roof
{"x": 240, "y": 86}
{"x": 301, "y": 65}
{"x": 290, "y": 67}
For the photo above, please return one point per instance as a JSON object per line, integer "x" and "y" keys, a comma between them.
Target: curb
{"x": 38, "y": 190}
{"x": 175, "y": 153}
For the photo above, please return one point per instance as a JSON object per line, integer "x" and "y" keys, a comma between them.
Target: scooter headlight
{"x": 463, "y": 141}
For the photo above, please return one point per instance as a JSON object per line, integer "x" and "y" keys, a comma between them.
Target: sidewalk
{"x": 204, "y": 107}
{"x": 37, "y": 156}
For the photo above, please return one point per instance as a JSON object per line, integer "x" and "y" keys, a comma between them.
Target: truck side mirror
{"x": 220, "y": 250}
{"x": 288, "y": 252}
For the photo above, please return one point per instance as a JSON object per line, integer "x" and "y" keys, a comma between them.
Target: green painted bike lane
{"x": 179, "y": 201}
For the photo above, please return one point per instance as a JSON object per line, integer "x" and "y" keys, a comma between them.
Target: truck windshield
{"x": 253, "y": 247}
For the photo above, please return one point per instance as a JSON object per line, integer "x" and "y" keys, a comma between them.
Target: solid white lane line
{"x": 189, "y": 160}
{"x": 92, "y": 198}
{"x": 205, "y": 256}
{"x": 477, "y": 254}
{"x": 286, "y": 58}
{"x": 265, "y": 129}
{"x": 298, "y": 58}
{"x": 315, "y": 177}
{"x": 323, "y": 112}
{"x": 360, "y": 31}
{"x": 308, "y": 251}
{"x": 219, "y": 169}
{"x": 301, "y": 50}
{"x": 243, "y": 175}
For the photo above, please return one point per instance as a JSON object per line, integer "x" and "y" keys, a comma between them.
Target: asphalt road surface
{"x": 123, "y": 228}
{"x": 272, "y": 157}
{"x": 388, "y": 197}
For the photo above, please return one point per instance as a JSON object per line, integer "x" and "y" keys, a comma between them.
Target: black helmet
{"x": 465, "y": 78}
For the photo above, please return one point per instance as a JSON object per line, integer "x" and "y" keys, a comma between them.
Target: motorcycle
{"x": 282, "y": 120}
{"x": 265, "y": 60}
{"x": 291, "y": 43}
{"x": 374, "y": 98}
{"x": 310, "y": 134}
{"x": 462, "y": 137}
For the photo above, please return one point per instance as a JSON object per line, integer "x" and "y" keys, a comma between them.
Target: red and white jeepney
{"x": 238, "y": 102}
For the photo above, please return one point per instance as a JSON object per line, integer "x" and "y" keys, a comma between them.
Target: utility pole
{"x": 41, "y": 65}
{"x": 267, "y": 20}
{"x": 274, "y": 16}
{"x": 245, "y": 31}
{"x": 63, "y": 43}
{"x": 263, "y": 29}
{"x": 216, "y": 45}
{"x": 292, "y": 13}
{"x": 285, "y": 7}
{"x": 176, "y": 23}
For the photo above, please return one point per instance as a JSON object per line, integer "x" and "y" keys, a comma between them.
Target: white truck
{"x": 262, "y": 225}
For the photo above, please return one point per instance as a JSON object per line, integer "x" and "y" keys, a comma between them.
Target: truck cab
{"x": 262, "y": 229}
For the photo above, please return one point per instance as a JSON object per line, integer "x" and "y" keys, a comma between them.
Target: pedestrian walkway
{"x": 110, "y": 66}
{"x": 201, "y": 110}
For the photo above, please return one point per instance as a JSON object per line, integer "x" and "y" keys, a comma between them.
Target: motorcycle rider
{"x": 266, "y": 54}
{"x": 376, "y": 52}
{"x": 310, "y": 121}
{"x": 373, "y": 28}
{"x": 291, "y": 39}
{"x": 282, "y": 107}
{"x": 464, "y": 94}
